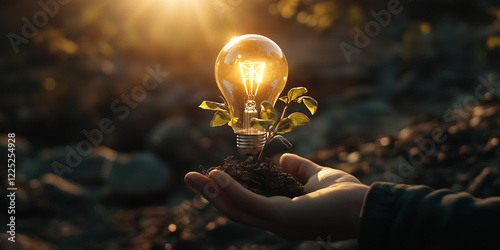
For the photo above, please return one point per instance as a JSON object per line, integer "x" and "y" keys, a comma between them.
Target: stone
{"x": 88, "y": 171}
{"x": 483, "y": 180}
{"x": 138, "y": 174}
{"x": 172, "y": 137}
{"x": 60, "y": 190}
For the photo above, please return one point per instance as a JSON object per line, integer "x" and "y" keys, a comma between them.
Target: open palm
{"x": 330, "y": 207}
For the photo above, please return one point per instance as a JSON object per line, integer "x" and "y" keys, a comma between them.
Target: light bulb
{"x": 250, "y": 69}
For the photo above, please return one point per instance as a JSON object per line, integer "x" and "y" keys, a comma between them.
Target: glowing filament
{"x": 251, "y": 73}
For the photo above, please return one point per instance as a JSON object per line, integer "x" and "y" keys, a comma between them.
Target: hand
{"x": 330, "y": 207}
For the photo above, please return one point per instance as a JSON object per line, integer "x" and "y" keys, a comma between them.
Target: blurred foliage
{"x": 317, "y": 14}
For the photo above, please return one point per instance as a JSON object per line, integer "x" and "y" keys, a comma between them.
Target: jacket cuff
{"x": 378, "y": 214}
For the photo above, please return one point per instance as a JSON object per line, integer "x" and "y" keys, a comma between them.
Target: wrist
{"x": 358, "y": 201}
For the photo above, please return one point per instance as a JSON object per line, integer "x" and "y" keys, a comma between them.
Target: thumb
{"x": 300, "y": 167}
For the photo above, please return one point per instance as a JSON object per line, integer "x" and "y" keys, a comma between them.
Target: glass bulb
{"x": 250, "y": 69}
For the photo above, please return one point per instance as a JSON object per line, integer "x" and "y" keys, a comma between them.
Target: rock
{"x": 63, "y": 193}
{"x": 172, "y": 138}
{"x": 67, "y": 163}
{"x": 137, "y": 175}
{"x": 28, "y": 242}
{"x": 59, "y": 189}
{"x": 92, "y": 167}
{"x": 482, "y": 181}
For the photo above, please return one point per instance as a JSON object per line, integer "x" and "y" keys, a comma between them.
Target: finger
{"x": 217, "y": 197}
{"x": 192, "y": 177}
{"x": 298, "y": 166}
{"x": 202, "y": 185}
{"x": 272, "y": 209}
{"x": 212, "y": 192}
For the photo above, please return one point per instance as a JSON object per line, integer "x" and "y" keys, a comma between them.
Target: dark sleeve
{"x": 397, "y": 216}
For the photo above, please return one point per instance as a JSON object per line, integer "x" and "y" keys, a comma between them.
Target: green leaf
{"x": 254, "y": 123}
{"x": 220, "y": 118}
{"x": 284, "y": 141}
{"x": 268, "y": 112}
{"x": 213, "y": 106}
{"x": 299, "y": 119}
{"x": 284, "y": 99}
{"x": 310, "y": 103}
{"x": 260, "y": 123}
{"x": 284, "y": 126}
{"x": 233, "y": 121}
{"x": 296, "y": 92}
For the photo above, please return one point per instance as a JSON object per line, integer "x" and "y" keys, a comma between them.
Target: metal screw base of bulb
{"x": 250, "y": 144}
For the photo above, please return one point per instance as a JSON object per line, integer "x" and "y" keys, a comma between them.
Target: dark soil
{"x": 261, "y": 177}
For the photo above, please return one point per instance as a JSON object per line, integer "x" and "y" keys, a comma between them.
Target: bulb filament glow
{"x": 251, "y": 73}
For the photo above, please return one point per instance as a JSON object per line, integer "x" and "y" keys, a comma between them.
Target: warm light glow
{"x": 172, "y": 227}
{"x": 250, "y": 69}
{"x": 251, "y": 73}
{"x": 176, "y": 25}
{"x": 230, "y": 44}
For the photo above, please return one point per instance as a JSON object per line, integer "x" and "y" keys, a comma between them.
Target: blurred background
{"x": 68, "y": 66}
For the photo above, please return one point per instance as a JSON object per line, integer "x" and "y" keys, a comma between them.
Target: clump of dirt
{"x": 263, "y": 178}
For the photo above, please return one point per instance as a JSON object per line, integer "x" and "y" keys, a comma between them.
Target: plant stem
{"x": 262, "y": 150}
{"x": 284, "y": 110}
{"x": 270, "y": 136}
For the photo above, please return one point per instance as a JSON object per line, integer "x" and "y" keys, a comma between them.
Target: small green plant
{"x": 274, "y": 124}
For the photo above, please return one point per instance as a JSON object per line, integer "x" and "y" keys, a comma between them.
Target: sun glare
{"x": 171, "y": 20}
